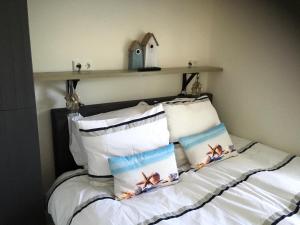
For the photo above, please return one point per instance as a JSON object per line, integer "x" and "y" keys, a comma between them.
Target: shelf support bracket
{"x": 185, "y": 81}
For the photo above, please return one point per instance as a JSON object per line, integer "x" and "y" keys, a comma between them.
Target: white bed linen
{"x": 259, "y": 186}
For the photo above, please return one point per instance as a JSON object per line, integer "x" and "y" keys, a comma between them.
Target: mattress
{"x": 259, "y": 186}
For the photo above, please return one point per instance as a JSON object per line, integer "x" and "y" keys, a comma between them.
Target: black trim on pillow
{"x": 121, "y": 124}
{"x": 101, "y": 176}
{"x": 202, "y": 98}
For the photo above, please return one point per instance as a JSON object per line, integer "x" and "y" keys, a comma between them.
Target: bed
{"x": 261, "y": 185}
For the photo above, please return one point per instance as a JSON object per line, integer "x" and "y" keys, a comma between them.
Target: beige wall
{"x": 257, "y": 43}
{"x": 101, "y": 31}
{"x": 257, "y": 95}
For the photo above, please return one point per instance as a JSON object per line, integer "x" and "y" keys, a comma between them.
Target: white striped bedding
{"x": 259, "y": 186}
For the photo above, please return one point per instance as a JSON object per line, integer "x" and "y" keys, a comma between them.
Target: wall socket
{"x": 81, "y": 65}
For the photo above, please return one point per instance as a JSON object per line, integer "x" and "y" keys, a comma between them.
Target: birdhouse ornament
{"x": 150, "y": 49}
{"x": 136, "y": 56}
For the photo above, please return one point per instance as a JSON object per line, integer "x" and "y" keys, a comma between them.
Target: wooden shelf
{"x": 68, "y": 75}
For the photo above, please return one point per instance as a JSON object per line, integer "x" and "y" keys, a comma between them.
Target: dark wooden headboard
{"x": 63, "y": 158}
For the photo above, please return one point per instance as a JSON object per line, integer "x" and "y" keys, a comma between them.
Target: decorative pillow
{"x": 188, "y": 117}
{"x": 75, "y": 143}
{"x": 209, "y": 146}
{"x": 142, "y": 172}
{"x": 122, "y": 136}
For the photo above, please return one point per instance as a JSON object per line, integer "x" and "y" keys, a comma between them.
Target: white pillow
{"x": 105, "y": 138}
{"x": 75, "y": 143}
{"x": 186, "y": 117}
{"x": 209, "y": 146}
{"x": 190, "y": 117}
{"x": 179, "y": 153}
{"x": 179, "y": 100}
{"x": 142, "y": 172}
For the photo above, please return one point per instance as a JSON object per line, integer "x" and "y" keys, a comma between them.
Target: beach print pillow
{"x": 143, "y": 172}
{"x": 209, "y": 146}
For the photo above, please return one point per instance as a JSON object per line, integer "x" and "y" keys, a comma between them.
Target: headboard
{"x": 63, "y": 158}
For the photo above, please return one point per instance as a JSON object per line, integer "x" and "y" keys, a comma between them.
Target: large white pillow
{"x": 105, "y": 138}
{"x": 180, "y": 156}
{"x": 188, "y": 117}
{"x": 75, "y": 143}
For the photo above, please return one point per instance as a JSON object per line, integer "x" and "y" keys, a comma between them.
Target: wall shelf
{"x": 71, "y": 78}
{"x": 69, "y": 75}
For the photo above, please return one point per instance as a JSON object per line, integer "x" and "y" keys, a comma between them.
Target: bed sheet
{"x": 259, "y": 186}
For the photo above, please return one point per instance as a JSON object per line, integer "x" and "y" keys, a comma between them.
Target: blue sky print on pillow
{"x": 142, "y": 172}
{"x": 208, "y": 146}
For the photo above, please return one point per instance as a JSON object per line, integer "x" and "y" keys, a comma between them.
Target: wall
{"x": 101, "y": 31}
{"x": 257, "y": 95}
{"x": 257, "y": 43}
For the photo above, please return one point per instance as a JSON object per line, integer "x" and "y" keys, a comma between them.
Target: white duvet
{"x": 259, "y": 186}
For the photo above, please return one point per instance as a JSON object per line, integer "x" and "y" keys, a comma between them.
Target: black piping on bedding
{"x": 198, "y": 205}
{"x": 218, "y": 192}
{"x": 291, "y": 210}
{"x": 87, "y": 203}
{"x": 63, "y": 179}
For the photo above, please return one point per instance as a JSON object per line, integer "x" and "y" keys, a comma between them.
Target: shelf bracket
{"x": 72, "y": 99}
{"x": 185, "y": 81}
{"x": 71, "y": 85}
